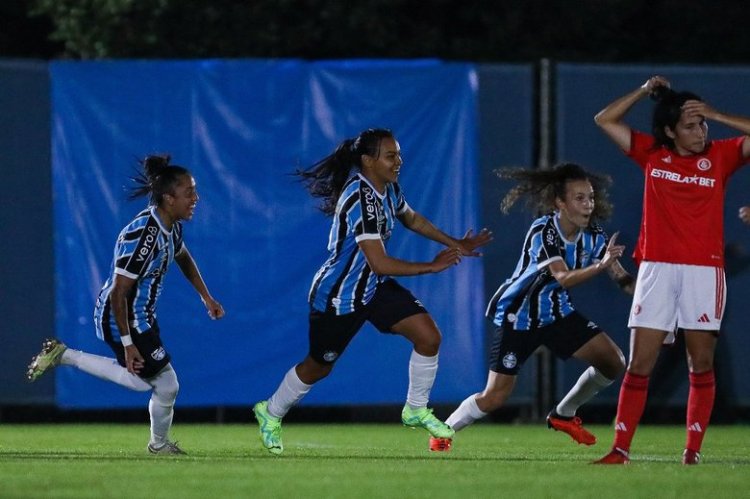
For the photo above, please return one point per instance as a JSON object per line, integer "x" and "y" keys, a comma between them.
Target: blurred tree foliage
{"x": 485, "y": 31}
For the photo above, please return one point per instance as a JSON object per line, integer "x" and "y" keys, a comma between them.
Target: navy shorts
{"x": 148, "y": 343}
{"x": 330, "y": 333}
{"x": 511, "y": 348}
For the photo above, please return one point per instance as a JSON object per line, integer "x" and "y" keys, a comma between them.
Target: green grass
{"x": 361, "y": 461}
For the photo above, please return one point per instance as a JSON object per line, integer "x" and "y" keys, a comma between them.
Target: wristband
{"x": 126, "y": 340}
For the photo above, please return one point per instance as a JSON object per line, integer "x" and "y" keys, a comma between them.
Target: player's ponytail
{"x": 157, "y": 178}
{"x": 326, "y": 178}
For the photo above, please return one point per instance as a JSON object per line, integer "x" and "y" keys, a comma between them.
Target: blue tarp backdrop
{"x": 241, "y": 127}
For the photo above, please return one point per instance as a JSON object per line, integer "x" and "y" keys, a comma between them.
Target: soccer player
{"x": 681, "y": 282}
{"x": 562, "y": 248}
{"x": 125, "y": 313}
{"x": 358, "y": 184}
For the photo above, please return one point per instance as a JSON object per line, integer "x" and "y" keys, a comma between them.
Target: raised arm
{"x": 467, "y": 244}
{"x": 610, "y": 119}
{"x": 740, "y": 123}
{"x": 185, "y": 260}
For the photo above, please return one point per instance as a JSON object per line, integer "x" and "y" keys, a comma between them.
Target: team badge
{"x": 330, "y": 356}
{"x": 158, "y": 354}
{"x": 704, "y": 164}
{"x": 510, "y": 360}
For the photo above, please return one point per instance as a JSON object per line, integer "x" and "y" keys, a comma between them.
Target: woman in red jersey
{"x": 680, "y": 250}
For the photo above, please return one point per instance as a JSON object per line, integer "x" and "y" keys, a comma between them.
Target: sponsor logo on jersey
{"x": 704, "y": 164}
{"x": 510, "y": 360}
{"x": 148, "y": 243}
{"x": 683, "y": 179}
{"x": 158, "y": 354}
{"x": 667, "y": 159}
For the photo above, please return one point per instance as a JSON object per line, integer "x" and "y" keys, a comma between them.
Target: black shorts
{"x": 330, "y": 333}
{"x": 148, "y": 343}
{"x": 511, "y": 348}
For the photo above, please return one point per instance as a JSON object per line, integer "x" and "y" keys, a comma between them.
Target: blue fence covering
{"x": 242, "y": 127}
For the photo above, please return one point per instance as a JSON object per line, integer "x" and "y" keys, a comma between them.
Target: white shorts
{"x": 670, "y": 296}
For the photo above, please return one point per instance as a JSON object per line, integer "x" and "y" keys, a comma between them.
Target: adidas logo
{"x": 667, "y": 159}
{"x": 695, "y": 427}
{"x": 704, "y": 318}
{"x": 620, "y": 426}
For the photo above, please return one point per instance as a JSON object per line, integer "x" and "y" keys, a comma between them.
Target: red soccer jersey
{"x": 683, "y": 200}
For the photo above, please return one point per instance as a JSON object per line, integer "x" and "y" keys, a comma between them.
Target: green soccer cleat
{"x": 270, "y": 428}
{"x": 423, "y": 418}
{"x": 49, "y": 357}
{"x": 167, "y": 449}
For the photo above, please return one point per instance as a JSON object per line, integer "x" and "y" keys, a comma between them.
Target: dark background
{"x": 611, "y": 31}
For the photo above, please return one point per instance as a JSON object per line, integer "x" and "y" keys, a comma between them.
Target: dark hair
{"x": 326, "y": 178}
{"x": 541, "y": 187}
{"x": 667, "y": 113}
{"x": 157, "y": 178}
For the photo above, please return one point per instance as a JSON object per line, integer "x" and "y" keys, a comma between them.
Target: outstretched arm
{"x": 569, "y": 278}
{"x": 467, "y": 245}
{"x": 192, "y": 274}
{"x": 610, "y": 119}
{"x": 383, "y": 264}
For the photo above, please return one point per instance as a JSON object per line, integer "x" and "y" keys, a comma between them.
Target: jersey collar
{"x": 155, "y": 214}
{"x": 380, "y": 196}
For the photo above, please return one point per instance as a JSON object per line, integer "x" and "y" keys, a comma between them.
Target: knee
{"x": 166, "y": 388}
{"x": 614, "y": 367}
{"x": 700, "y": 363}
{"x": 428, "y": 344}
{"x": 311, "y": 371}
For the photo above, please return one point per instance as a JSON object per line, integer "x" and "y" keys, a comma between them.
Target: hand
{"x": 469, "y": 243}
{"x": 215, "y": 310}
{"x": 654, "y": 82}
{"x": 614, "y": 251}
{"x": 745, "y": 214}
{"x": 445, "y": 259}
{"x": 133, "y": 359}
{"x": 698, "y": 108}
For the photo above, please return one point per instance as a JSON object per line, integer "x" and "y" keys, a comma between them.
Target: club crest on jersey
{"x": 158, "y": 354}
{"x": 510, "y": 360}
{"x": 704, "y": 164}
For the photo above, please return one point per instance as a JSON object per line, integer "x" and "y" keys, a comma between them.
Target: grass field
{"x": 361, "y": 461}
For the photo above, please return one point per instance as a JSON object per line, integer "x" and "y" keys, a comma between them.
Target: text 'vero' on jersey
{"x": 345, "y": 281}
{"x": 143, "y": 252}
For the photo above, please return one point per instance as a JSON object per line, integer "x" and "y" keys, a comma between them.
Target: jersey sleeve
{"x": 601, "y": 240}
{"x": 136, "y": 247}
{"x": 640, "y": 146}
{"x": 731, "y": 153}
{"x": 401, "y": 205}
{"x": 364, "y": 214}
{"x": 179, "y": 243}
{"x": 548, "y": 249}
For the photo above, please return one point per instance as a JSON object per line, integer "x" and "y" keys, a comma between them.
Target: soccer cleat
{"x": 49, "y": 357}
{"x": 572, "y": 426}
{"x": 270, "y": 428}
{"x": 615, "y": 456}
{"x": 691, "y": 457}
{"x": 167, "y": 449}
{"x": 423, "y": 418}
{"x": 440, "y": 444}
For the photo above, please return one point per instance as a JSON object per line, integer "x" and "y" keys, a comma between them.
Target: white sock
{"x": 467, "y": 413}
{"x": 589, "y": 384}
{"x": 290, "y": 391}
{"x": 104, "y": 368}
{"x": 422, "y": 372}
{"x": 161, "y": 405}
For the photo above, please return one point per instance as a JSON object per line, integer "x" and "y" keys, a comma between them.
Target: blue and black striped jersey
{"x": 143, "y": 251}
{"x": 532, "y": 297}
{"x": 345, "y": 281}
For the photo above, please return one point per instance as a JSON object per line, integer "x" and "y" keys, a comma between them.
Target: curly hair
{"x": 541, "y": 187}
